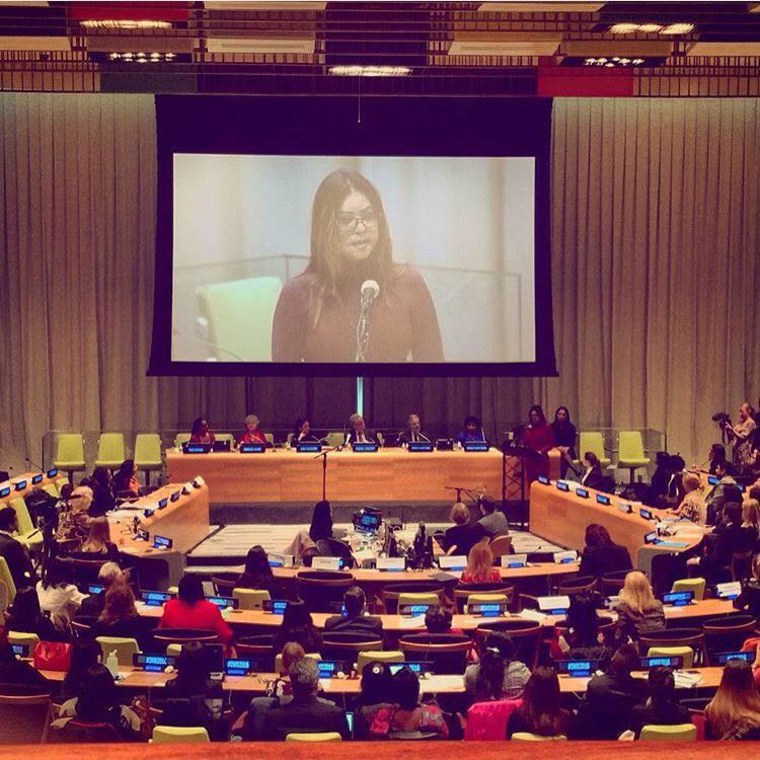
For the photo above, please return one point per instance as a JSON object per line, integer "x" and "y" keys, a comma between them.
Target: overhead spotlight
{"x": 678, "y": 29}
{"x": 624, "y": 28}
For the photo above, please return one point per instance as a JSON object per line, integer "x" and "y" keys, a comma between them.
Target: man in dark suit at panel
{"x": 305, "y": 714}
{"x": 13, "y": 551}
{"x": 355, "y": 621}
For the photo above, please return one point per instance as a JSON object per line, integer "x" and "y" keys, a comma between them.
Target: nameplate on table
{"x": 577, "y": 668}
{"x": 153, "y": 663}
{"x": 725, "y": 657}
{"x": 476, "y": 446}
{"x": 420, "y": 446}
{"x": 670, "y": 661}
{"x": 309, "y": 447}
{"x": 196, "y": 448}
{"x": 729, "y": 590}
{"x": 391, "y": 564}
{"x": 162, "y": 542}
{"x": 364, "y": 447}
{"x": 514, "y": 561}
{"x": 20, "y": 485}
{"x": 553, "y": 605}
{"x": 603, "y": 499}
{"x": 333, "y": 668}
{"x": 565, "y": 558}
{"x": 252, "y": 448}
{"x": 281, "y": 560}
{"x": 52, "y": 472}
{"x": 326, "y": 563}
{"x": 224, "y": 602}
{"x": 275, "y": 606}
{"x": 678, "y": 598}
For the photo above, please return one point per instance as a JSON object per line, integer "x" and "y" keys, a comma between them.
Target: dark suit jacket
{"x": 364, "y": 624}
{"x": 608, "y": 706}
{"x": 600, "y": 560}
{"x": 594, "y": 478}
{"x": 305, "y": 716}
{"x": 370, "y": 435}
{"x": 464, "y": 537}
{"x": 406, "y": 437}
{"x": 19, "y": 564}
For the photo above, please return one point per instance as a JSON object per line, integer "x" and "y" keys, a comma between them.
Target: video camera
{"x": 722, "y": 418}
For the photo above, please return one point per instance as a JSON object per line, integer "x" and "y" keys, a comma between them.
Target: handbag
{"x": 52, "y": 655}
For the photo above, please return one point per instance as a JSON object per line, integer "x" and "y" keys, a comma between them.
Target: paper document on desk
{"x": 415, "y": 621}
{"x": 686, "y": 680}
{"x": 438, "y": 683}
{"x": 539, "y": 617}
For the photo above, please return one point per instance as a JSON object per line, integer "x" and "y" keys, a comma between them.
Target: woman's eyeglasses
{"x": 349, "y": 222}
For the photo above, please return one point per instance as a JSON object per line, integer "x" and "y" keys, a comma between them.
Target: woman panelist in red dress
{"x": 353, "y": 303}
{"x": 539, "y": 437}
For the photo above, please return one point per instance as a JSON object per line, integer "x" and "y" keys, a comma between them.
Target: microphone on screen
{"x": 370, "y": 290}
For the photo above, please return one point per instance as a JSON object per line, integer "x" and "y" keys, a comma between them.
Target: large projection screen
{"x": 293, "y": 239}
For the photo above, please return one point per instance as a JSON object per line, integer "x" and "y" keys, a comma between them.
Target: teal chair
{"x": 631, "y": 452}
{"x": 70, "y": 454}
{"x": 111, "y": 451}
{"x": 148, "y": 454}
{"x": 227, "y": 311}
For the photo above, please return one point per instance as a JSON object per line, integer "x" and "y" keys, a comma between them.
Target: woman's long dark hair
{"x": 495, "y": 658}
{"x": 257, "y": 572}
{"x": 321, "y": 522}
{"x": 190, "y": 589}
{"x": 84, "y": 654}
{"x": 582, "y": 618}
{"x": 99, "y": 700}
{"x": 539, "y": 411}
{"x": 541, "y": 708}
{"x": 559, "y": 409}
{"x": 25, "y": 610}
{"x": 193, "y": 668}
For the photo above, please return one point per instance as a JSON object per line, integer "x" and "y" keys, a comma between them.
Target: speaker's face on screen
{"x": 357, "y": 226}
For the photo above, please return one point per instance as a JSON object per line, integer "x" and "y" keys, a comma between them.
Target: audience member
{"x": 192, "y": 698}
{"x": 98, "y": 544}
{"x": 17, "y": 672}
{"x": 305, "y": 542}
{"x": 662, "y": 708}
{"x": 376, "y": 694}
{"x": 297, "y": 626}
{"x": 359, "y": 433}
{"x": 438, "y": 620}
{"x": 463, "y": 535}
{"x": 638, "y": 610}
{"x": 493, "y": 521}
{"x": 749, "y": 598}
{"x": 93, "y": 604}
{"x": 84, "y": 654}
{"x": 734, "y": 712}
{"x": 305, "y": 713}
{"x": 25, "y": 616}
{"x": 102, "y": 491}
{"x": 473, "y": 431}
{"x": 97, "y": 702}
{"x": 728, "y": 538}
{"x": 693, "y": 507}
{"x": 498, "y": 675}
{"x": 541, "y": 712}
{"x": 125, "y": 482}
{"x": 258, "y": 574}
{"x": 723, "y": 492}
{"x": 480, "y": 567}
{"x": 120, "y": 617}
{"x": 582, "y": 639}
{"x": 606, "y": 710}
{"x": 57, "y": 594}
{"x": 593, "y": 476}
{"x": 74, "y": 520}
{"x": 355, "y": 620}
{"x": 601, "y": 556}
{"x": 191, "y": 610}
{"x": 751, "y": 520}
{"x": 13, "y": 551}
{"x": 302, "y": 433}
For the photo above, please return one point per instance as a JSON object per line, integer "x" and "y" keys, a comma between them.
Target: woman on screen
{"x": 353, "y": 303}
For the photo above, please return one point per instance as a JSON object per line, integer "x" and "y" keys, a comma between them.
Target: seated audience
{"x": 607, "y": 707}
{"x": 98, "y": 544}
{"x": 13, "y": 551}
{"x": 84, "y": 654}
{"x": 493, "y": 521}
{"x": 355, "y": 620}
{"x": 498, "y": 675}
{"x": 438, "y": 620}
{"x": 17, "y": 672}
{"x": 97, "y": 702}
{"x": 662, "y": 708}
{"x": 25, "y": 616}
{"x": 257, "y": 574}
{"x": 593, "y": 476}
{"x": 302, "y": 433}
{"x": 582, "y": 639}
{"x": 191, "y": 610}
{"x": 93, "y": 604}
{"x": 716, "y": 455}
{"x": 751, "y": 521}
{"x": 125, "y": 482}
{"x": 724, "y": 491}
{"x": 463, "y": 535}
{"x": 252, "y": 432}
{"x": 305, "y": 713}
{"x": 749, "y": 599}
{"x": 734, "y": 712}
{"x": 298, "y": 626}
{"x": 74, "y": 520}
{"x": 200, "y": 433}
{"x": 376, "y": 694}
{"x": 405, "y": 717}
{"x": 601, "y": 556}
{"x": 693, "y": 506}
{"x": 541, "y": 712}
{"x": 305, "y": 542}
{"x": 192, "y": 698}
{"x": 638, "y": 610}
{"x": 102, "y": 491}
{"x": 480, "y": 567}
{"x": 120, "y": 617}
{"x": 728, "y": 538}
{"x": 57, "y": 594}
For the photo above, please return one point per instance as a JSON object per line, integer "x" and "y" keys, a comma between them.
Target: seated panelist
{"x": 359, "y": 433}
{"x": 413, "y": 431}
{"x": 302, "y": 432}
{"x": 200, "y": 433}
{"x": 253, "y": 433}
{"x": 473, "y": 431}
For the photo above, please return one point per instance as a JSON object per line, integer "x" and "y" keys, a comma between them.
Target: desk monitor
{"x": 148, "y": 512}
{"x": 603, "y": 499}
{"x": 94, "y": 589}
{"x": 252, "y": 448}
{"x": 367, "y": 520}
{"x": 5, "y": 491}
{"x": 514, "y": 560}
{"x": 161, "y": 542}
{"x": 175, "y": 496}
{"x": 331, "y": 668}
{"x": 37, "y": 478}
{"x": 223, "y": 602}
{"x": 163, "y": 502}
{"x": 678, "y": 598}
{"x": 20, "y": 485}
{"x": 51, "y": 473}
{"x": 713, "y": 480}
{"x": 582, "y": 492}
{"x": 275, "y": 606}
{"x": 155, "y": 598}
{"x": 544, "y": 480}
{"x": 672, "y": 661}
{"x": 578, "y": 668}
{"x": 240, "y": 666}
{"x": 725, "y": 657}
{"x": 562, "y": 486}
{"x": 651, "y": 537}
{"x": 410, "y": 610}
{"x": 420, "y": 446}
{"x": 647, "y": 514}
{"x": 153, "y": 663}
{"x": 476, "y": 446}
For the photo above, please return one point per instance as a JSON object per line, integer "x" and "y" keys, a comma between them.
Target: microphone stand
{"x": 362, "y": 332}
{"x": 323, "y": 456}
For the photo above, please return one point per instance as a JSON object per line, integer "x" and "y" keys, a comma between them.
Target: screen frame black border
{"x": 423, "y": 126}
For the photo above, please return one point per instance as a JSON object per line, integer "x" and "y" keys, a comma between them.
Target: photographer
{"x": 742, "y": 434}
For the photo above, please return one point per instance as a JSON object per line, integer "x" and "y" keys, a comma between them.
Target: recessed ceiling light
{"x": 370, "y": 71}
{"x": 678, "y": 29}
{"x": 650, "y": 28}
{"x": 624, "y": 28}
{"x": 115, "y": 23}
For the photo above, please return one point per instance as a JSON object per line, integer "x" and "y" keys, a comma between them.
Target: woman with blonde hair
{"x": 734, "y": 712}
{"x": 98, "y": 544}
{"x": 693, "y": 507}
{"x": 480, "y": 567}
{"x": 751, "y": 516}
{"x": 463, "y": 535}
{"x": 638, "y": 610}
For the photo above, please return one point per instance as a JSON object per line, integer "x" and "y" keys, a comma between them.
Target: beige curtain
{"x": 655, "y": 248}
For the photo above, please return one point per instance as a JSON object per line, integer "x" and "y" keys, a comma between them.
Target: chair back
{"x": 320, "y": 589}
{"x": 464, "y": 591}
{"x": 24, "y": 719}
{"x": 486, "y": 599}
{"x": 327, "y": 736}
{"x": 611, "y": 583}
{"x": 52, "y": 490}
{"x": 392, "y": 591}
{"x": 259, "y": 647}
{"x": 579, "y": 585}
{"x": 3, "y": 597}
{"x": 676, "y": 637}
{"x": 86, "y": 570}
{"x": 332, "y": 547}
{"x": 501, "y": 545}
{"x": 25, "y": 524}
{"x": 524, "y": 736}
{"x": 165, "y": 636}
{"x": 335, "y": 439}
{"x": 123, "y": 647}
{"x": 487, "y": 721}
{"x": 363, "y": 658}
{"x": 594, "y": 442}
{"x": 686, "y": 652}
{"x": 344, "y": 645}
{"x": 111, "y": 450}
{"x": 727, "y": 634}
{"x": 526, "y": 636}
{"x": 278, "y": 660}
{"x": 181, "y": 438}
{"x": 221, "y": 305}
{"x": 180, "y": 735}
{"x": 741, "y": 565}
{"x": 251, "y": 598}
{"x": 7, "y": 580}
{"x": 224, "y": 585}
{"x": 70, "y": 452}
{"x": 81, "y": 732}
{"x": 630, "y": 446}
{"x": 447, "y": 653}
{"x": 683, "y": 732}
{"x": 419, "y": 598}
{"x": 25, "y": 639}
{"x": 697, "y": 585}
{"x": 148, "y": 451}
